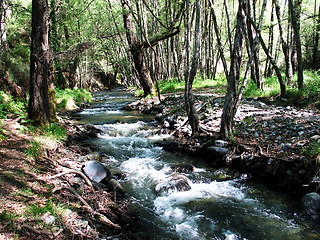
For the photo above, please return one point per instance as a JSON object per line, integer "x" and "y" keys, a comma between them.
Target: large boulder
{"x": 311, "y": 205}
{"x": 95, "y": 171}
{"x": 174, "y": 183}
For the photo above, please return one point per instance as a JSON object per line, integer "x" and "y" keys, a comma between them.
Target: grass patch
{"x": 35, "y": 150}
{"x": 7, "y": 217}
{"x": 69, "y": 98}
{"x": 173, "y": 85}
{"x": 36, "y": 210}
{"x": 54, "y": 132}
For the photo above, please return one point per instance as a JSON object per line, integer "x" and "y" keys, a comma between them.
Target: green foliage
{"x": 270, "y": 88}
{"x": 171, "y": 85}
{"x": 77, "y": 96}
{"x": 35, "y": 150}
{"x": 9, "y": 106}
{"x": 7, "y": 217}
{"x": 2, "y": 132}
{"x": 310, "y": 94}
{"x": 311, "y": 149}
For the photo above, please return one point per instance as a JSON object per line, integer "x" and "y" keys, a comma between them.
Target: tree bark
{"x": 284, "y": 44}
{"x": 273, "y": 62}
{"x": 189, "y": 99}
{"x": 136, "y": 52}
{"x": 229, "y": 110}
{"x": 3, "y": 27}
{"x": 315, "y": 50}
{"x": 41, "y": 107}
{"x": 218, "y": 36}
{"x": 295, "y": 9}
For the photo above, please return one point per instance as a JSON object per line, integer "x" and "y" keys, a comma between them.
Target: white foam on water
{"x": 186, "y": 230}
{"x": 142, "y": 170}
{"x": 170, "y": 210}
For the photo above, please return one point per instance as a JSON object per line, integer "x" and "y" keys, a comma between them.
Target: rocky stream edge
{"x": 267, "y": 147}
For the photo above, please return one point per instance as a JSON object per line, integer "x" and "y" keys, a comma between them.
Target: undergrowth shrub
{"x": 9, "y": 106}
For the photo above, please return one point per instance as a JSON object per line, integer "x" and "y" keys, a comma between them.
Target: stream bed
{"x": 217, "y": 203}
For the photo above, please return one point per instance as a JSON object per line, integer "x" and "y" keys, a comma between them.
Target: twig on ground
{"x": 101, "y": 216}
{"x": 42, "y": 232}
{"x": 76, "y": 172}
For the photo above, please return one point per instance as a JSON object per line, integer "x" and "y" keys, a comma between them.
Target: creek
{"x": 220, "y": 204}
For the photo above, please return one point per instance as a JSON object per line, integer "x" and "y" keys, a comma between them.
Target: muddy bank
{"x": 271, "y": 142}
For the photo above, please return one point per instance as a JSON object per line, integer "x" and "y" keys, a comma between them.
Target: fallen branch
{"x": 76, "y": 172}
{"x": 42, "y": 232}
{"x": 102, "y": 217}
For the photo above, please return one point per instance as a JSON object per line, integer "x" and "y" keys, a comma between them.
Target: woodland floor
{"x": 264, "y": 128}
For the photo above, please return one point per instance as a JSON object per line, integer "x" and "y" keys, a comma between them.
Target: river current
{"x": 220, "y": 204}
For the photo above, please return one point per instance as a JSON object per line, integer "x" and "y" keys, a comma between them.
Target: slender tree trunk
{"x": 315, "y": 52}
{"x": 218, "y": 36}
{"x": 274, "y": 64}
{"x": 229, "y": 111}
{"x": 268, "y": 66}
{"x": 253, "y": 50}
{"x": 3, "y": 27}
{"x": 284, "y": 44}
{"x": 295, "y": 9}
{"x": 41, "y": 110}
{"x": 189, "y": 99}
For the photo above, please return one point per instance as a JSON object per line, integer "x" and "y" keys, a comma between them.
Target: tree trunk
{"x": 41, "y": 108}
{"x": 3, "y": 27}
{"x": 315, "y": 50}
{"x": 268, "y": 66}
{"x": 136, "y": 52}
{"x": 273, "y": 62}
{"x": 295, "y": 9}
{"x": 218, "y": 36}
{"x": 189, "y": 99}
{"x": 227, "y": 118}
{"x": 284, "y": 44}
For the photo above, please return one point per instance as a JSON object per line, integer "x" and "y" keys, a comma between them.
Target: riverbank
{"x": 47, "y": 197}
{"x": 272, "y": 143}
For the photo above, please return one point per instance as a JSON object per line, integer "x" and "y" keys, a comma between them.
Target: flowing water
{"x": 215, "y": 207}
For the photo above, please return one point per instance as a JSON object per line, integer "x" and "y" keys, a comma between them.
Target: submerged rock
{"x": 174, "y": 183}
{"x": 183, "y": 168}
{"x": 311, "y": 205}
{"x": 115, "y": 186}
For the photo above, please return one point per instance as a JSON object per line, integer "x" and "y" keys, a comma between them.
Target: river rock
{"x": 183, "y": 168}
{"x": 95, "y": 171}
{"x": 311, "y": 205}
{"x": 171, "y": 146}
{"x": 220, "y": 143}
{"x": 215, "y": 155}
{"x": 115, "y": 186}
{"x": 174, "y": 183}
